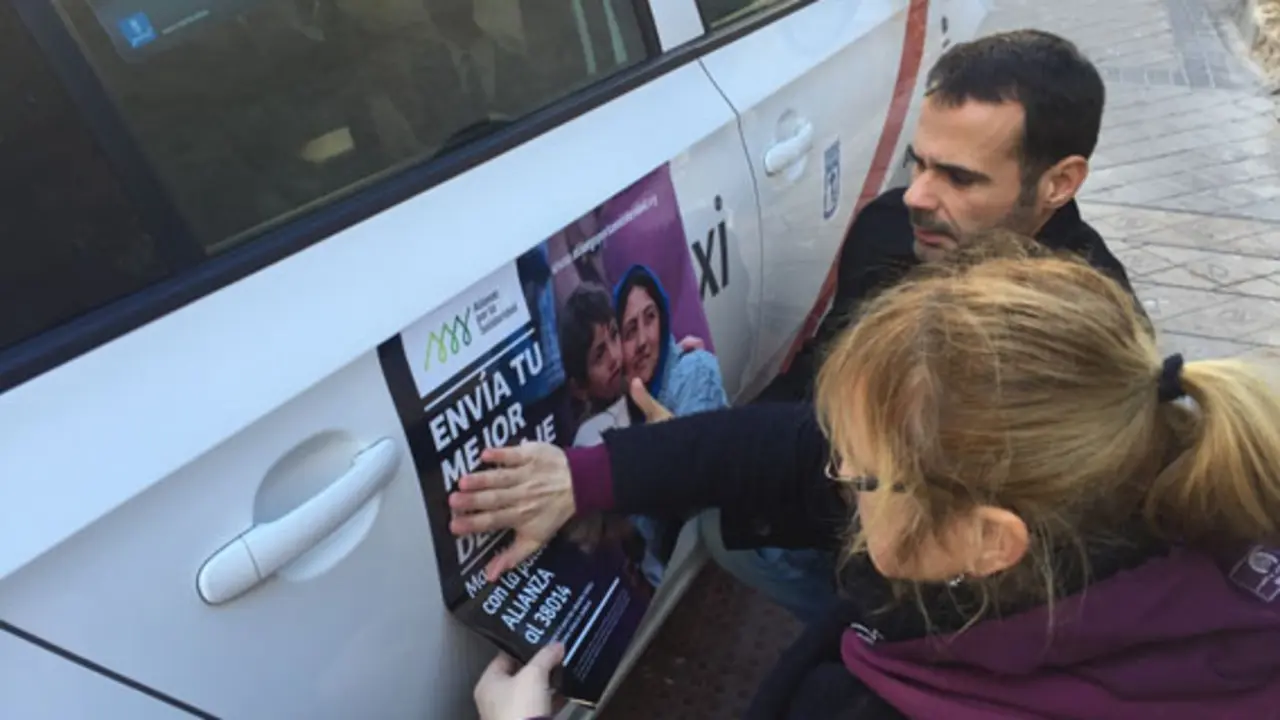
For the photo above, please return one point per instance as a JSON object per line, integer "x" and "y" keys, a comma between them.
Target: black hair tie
{"x": 1170, "y": 385}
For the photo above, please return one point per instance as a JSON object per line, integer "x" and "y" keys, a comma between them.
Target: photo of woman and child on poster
{"x": 627, "y": 308}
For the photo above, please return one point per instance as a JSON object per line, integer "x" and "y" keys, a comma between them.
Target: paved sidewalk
{"x": 1210, "y": 283}
{"x": 1185, "y": 189}
{"x": 1185, "y": 185}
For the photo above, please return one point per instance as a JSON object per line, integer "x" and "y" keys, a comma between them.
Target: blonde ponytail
{"x": 1224, "y": 486}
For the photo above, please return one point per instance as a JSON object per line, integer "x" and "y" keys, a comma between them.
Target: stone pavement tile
{"x": 1206, "y": 163}
{"x": 1246, "y": 127}
{"x": 1135, "y": 221}
{"x": 1259, "y": 287}
{"x": 1245, "y": 193}
{"x": 1137, "y": 151}
{"x": 1095, "y": 211}
{"x": 1139, "y": 173}
{"x": 1199, "y": 231}
{"x": 1187, "y": 105}
{"x": 1196, "y": 179}
{"x": 1265, "y": 243}
{"x": 1138, "y": 261}
{"x": 1194, "y": 347}
{"x": 1216, "y": 268}
{"x": 1269, "y": 209}
{"x": 1264, "y": 357}
{"x": 1181, "y": 277}
{"x": 1233, "y": 150}
{"x": 1265, "y": 186}
{"x": 1122, "y": 97}
{"x": 1196, "y": 203}
{"x": 1237, "y": 196}
{"x": 1266, "y": 336}
{"x": 1163, "y": 302}
{"x": 1145, "y": 192}
{"x": 1239, "y": 318}
{"x": 1119, "y": 246}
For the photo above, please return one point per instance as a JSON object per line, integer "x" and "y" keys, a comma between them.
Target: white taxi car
{"x": 214, "y": 213}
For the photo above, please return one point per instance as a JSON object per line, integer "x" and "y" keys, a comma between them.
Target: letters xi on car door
{"x": 220, "y": 504}
{"x": 813, "y": 90}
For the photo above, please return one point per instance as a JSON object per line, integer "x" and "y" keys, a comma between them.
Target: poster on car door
{"x": 543, "y": 350}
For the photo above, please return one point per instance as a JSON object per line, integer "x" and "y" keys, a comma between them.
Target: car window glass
{"x": 244, "y": 114}
{"x": 253, "y": 111}
{"x": 70, "y": 238}
{"x": 718, "y": 13}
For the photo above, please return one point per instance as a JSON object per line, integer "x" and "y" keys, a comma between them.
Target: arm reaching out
{"x": 760, "y": 461}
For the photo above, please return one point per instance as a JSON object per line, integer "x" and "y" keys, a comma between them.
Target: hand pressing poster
{"x": 543, "y": 350}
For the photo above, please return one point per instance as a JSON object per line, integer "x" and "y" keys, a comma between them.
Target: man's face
{"x": 967, "y": 176}
{"x": 604, "y": 364}
{"x": 640, "y": 334}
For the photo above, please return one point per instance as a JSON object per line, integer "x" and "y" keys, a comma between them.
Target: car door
{"x": 823, "y": 89}
{"x": 213, "y": 218}
{"x": 31, "y": 671}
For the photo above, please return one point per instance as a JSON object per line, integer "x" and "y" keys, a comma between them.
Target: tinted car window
{"x": 70, "y": 238}
{"x": 244, "y": 114}
{"x": 252, "y": 111}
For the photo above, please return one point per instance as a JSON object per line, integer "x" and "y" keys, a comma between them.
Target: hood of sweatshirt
{"x": 1184, "y": 635}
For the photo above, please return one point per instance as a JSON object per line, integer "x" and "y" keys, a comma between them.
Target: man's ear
{"x": 1060, "y": 183}
{"x": 1002, "y": 542}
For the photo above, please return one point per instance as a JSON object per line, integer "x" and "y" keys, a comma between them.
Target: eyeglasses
{"x": 860, "y": 483}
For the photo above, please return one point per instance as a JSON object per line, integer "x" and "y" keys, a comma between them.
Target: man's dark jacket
{"x": 878, "y": 252}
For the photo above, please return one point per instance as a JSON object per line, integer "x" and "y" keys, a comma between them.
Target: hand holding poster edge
{"x": 505, "y": 692}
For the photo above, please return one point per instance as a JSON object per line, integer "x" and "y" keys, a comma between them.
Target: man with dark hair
{"x": 1003, "y": 142}
{"x": 1008, "y": 124}
{"x": 1006, "y": 130}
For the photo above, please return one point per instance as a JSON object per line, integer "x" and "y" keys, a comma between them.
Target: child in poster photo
{"x": 592, "y": 352}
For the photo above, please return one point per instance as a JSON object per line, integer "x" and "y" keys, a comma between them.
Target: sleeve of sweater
{"x": 764, "y": 461}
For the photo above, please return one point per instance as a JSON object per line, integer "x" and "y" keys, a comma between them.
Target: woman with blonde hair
{"x": 1041, "y": 517}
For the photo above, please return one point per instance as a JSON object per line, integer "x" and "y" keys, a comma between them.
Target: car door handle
{"x": 265, "y": 548}
{"x": 785, "y": 153}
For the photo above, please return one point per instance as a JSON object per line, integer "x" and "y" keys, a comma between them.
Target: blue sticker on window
{"x": 137, "y": 30}
{"x": 831, "y": 181}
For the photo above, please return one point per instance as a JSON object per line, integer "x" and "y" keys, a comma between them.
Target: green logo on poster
{"x": 453, "y": 336}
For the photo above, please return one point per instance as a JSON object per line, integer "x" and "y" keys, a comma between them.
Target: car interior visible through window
{"x": 70, "y": 237}
{"x": 245, "y": 114}
{"x": 254, "y": 110}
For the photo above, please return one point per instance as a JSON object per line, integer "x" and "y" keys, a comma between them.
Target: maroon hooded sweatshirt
{"x": 1180, "y": 636}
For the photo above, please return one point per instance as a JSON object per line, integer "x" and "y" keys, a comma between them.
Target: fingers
{"x": 653, "y": 411}
{"x": 491, "y": 479}
{"x": 510, "y": 456}
{"x": 508, "y": 559}
{"x": 485, "y": 500}
{"x": 481, "y": 522}
{"x": 547, "y": 659}
{"x": 502, "y": 665}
